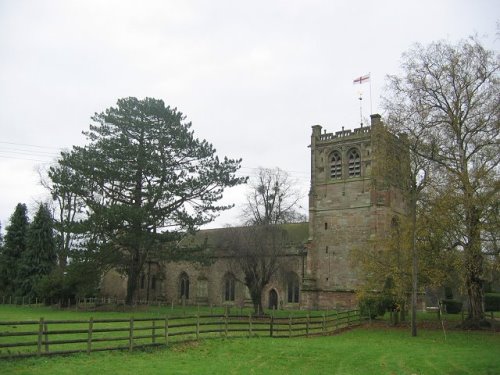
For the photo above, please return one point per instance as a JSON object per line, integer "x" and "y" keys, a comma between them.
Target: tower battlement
{"x": 340, "y": 135}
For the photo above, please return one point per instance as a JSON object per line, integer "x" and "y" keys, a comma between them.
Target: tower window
{"x": 336, "y": 166}
{"x": 354, "y": 163}
{"x": 326, "y": 226}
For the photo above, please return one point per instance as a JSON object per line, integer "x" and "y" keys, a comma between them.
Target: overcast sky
{"x": 252, "y": 77}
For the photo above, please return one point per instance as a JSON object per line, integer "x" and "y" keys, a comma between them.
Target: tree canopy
{"x": 448, "y": 100}
{"x": 272, "y": 199}
{"x": 39, "y": 257}
{"x": 144, "y": 178}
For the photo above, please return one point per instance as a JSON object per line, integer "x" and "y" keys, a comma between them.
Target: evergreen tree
{"x": 13, "y": 248}
{"x": 40, "y": 256}
{"x": 143, "y": 179}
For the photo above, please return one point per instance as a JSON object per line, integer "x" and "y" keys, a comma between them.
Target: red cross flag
{"x": 362, "y": 79}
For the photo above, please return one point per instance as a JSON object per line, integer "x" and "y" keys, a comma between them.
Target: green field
{"x": 368, "y": 350}
{"x": 360, "y": 351}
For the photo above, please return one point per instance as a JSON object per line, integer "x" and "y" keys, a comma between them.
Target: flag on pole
{"x": 362, "y": 79}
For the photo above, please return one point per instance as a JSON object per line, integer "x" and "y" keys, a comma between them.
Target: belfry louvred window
{"x": 336, "y": 166}
{"x": 354, "y": 163}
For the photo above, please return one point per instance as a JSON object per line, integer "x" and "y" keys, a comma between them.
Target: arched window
{"x": 336, "y": 165}
{"x": 143, "y": 281}
{"x": 153, "y": 282}
{"x": 354, "y": 163}
{"x": 293, "y": 287}
{"x": 229, "y": 283}
{"x": 184, "y": 285}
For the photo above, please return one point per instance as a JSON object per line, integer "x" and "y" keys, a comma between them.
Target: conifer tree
{"x": 143, "y": 179}
{"x": 40, "y": 257}
{"x": 14, "y": 247}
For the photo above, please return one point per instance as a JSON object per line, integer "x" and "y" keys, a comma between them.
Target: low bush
{"x": 374, "y": 305}
{"x": 452, "y": 306}
{"x": 492, "y": 301}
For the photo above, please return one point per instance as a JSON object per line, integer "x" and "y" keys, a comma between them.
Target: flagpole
{"x": 371, "y": 109}
{"x": 361, "y": 108}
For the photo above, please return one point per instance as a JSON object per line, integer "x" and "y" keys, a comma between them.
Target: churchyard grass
{"x": 369, "y": 350}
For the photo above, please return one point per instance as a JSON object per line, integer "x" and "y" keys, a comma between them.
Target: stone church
{"x": 354, "y": 196}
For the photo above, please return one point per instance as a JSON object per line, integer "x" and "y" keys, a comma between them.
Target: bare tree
{"x": 450, "y": 96}
{"x": 258, "y": 248}
{"x": 273, "y": 199}
{"x": 257, "y": 251}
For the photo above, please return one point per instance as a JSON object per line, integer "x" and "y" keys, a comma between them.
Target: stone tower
{"x": 354, "y": 195}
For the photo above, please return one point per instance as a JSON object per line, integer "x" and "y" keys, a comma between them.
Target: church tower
{"x": 355, "y": 194}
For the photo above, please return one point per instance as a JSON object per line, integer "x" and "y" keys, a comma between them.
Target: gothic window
{"x": 143, "y": 281}
{"x": 336, "y": 165}
{"x": 202, "y": 290}
{"x": 293, "y": 287}
{"x": 229, "y": 282}
{"x": 184, "y": 286}
{"x": 354, "y": 163}
{"x": 153, "y": 282}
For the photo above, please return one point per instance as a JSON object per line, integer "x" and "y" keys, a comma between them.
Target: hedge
{"x": 492, "y": 301}
{"x": 452, "y": 306}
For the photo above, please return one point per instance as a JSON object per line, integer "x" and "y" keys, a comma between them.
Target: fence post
{"x": 89, "y": 339}
{"x": 249, "y": 324}
{"x": 197, "y": 326}
{"x": 289, "y": 325}
{"x": 40, "y": 336}
{"x": 166, "y": 330}
{"x": 225, "y": 324}
{"x": 324, "y": 324}
{"x": 336, "y": 320}
{"x": 46, "y": 336}
{"x": 271, "y": 323}
{"x": 131, "y": 335}
{"x": 348, "y": 322}
{"x": 307, "y": 325}
{"x": 153, "y": 331}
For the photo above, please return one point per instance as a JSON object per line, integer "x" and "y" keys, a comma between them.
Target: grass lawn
{"x": 360, "y": 351}
{"x": 369, "y": 350}
{"x": 16, "y": 313}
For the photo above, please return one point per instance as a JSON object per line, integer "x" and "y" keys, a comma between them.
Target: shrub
{"x": 492, "y": 301}
{"x": 374, "y": 305}
{"x": 452, "y": 306}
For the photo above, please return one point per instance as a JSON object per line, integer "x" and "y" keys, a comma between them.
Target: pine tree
{"x": 144, "y": 179}
{"x": 14, "y": 247}
{"x": 40, "y": 256}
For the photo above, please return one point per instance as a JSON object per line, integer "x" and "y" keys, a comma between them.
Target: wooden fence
{"x": 50, "y": 337}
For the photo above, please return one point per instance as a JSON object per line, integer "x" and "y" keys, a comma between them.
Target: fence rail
{"x": 49, "y": 337}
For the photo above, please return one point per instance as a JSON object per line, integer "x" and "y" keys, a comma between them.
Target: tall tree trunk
{"x": 256, "y": 294}
{"x": 133, "y": 278}
{"x": 414, "y": 268}
{"x": 474, "y": 269}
